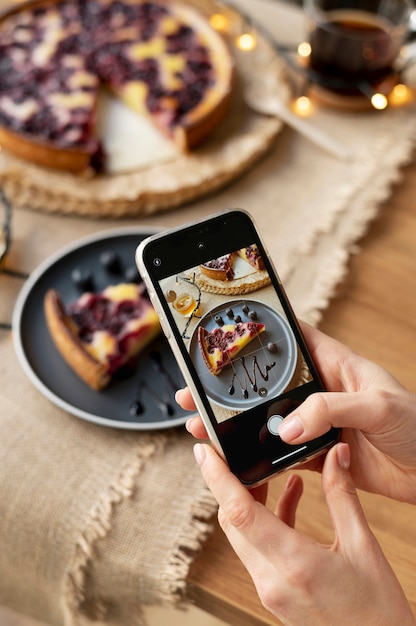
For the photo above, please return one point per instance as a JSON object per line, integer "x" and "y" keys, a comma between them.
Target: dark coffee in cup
{"x": 354, "y": 45}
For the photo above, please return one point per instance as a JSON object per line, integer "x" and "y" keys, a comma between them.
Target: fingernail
{"x": 291, "y": 428}
{"x": 290, "y": 482}
{"x": 178, "y": 393}
{"x": 343, "y": 455}
{"x": 188, "y": 424}
{"x": 199, "y": 453}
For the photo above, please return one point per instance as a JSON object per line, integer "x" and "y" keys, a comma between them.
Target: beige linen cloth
{"x": 96, "y": 522}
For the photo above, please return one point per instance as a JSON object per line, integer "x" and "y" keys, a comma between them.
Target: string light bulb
{"x": 246, "y": 42}
{"x": 379, "y": 101}
{"x": 400, "y": 95}
{"x": 219, "y": 22}
{"x": 302, "y": 106}
{"x": 304, "y": 50}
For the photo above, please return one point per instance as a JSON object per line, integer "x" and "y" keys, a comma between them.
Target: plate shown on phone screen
{"x": 232, "y": 388}
{"x": 153, "y": 384}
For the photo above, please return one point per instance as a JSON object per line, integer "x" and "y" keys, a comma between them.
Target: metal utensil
{"x": 270, "y": 104}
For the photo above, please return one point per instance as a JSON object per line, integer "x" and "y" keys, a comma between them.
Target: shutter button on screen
{"x": 273, "y": 424}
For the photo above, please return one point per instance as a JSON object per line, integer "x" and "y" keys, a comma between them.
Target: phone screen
{"x": 233, "y": 322}
{"x": 236, "y": 332}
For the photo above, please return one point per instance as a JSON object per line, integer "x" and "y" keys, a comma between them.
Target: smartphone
{"x": 233, "y": 332}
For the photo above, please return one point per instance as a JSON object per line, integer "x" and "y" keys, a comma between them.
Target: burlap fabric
{"x": 95, "y": 523}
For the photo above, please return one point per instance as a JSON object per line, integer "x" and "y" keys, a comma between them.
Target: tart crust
{"x": 219, "y": 273}
{"x": 64, "y": 334}
{"x": 43, "y": 153}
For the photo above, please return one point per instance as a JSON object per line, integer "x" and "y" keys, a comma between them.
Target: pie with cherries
{"x": 161, "y": 58}
{"x": 222, "y": 268}
{"x": 221, "y": 345}
{"x": 100, "y": 333}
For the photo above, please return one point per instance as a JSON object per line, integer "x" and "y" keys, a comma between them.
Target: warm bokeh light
{"x": 246, "y": 42}
{"x": 400, "y": 95}
{"x": 379, "y": 101}
{"x": 219, "y": 22}
{"x": 304, "y": 50}
{"x": 302, "y": 106}
{"x": 400, "y": 91}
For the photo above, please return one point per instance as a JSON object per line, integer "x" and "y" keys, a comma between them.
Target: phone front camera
{"x": 157, "y": 262}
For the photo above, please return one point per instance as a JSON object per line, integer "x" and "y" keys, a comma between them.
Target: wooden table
{"x": 374, "y": 313}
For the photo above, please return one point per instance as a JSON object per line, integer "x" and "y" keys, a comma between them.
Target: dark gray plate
{"x": 277, "y": 331}
{"x": 157, "y": 376}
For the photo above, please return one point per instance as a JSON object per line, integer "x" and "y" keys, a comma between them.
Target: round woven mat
{"x": 241, "y": 139}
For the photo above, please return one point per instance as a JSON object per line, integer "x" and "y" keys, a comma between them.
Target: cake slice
{"x": 219, "y": 346}
{"x": 100, "y": 333}
{"x": 220, "y": 268}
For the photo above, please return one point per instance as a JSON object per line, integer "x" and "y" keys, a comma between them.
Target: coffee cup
{"x": 355, "y": 44}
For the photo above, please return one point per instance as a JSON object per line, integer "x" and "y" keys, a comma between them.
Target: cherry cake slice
{"x": 221, "y": 345}
{"x": 100, "y": 333}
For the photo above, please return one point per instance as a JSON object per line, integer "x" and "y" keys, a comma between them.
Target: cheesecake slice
{"x": 100, "y": 333}
{"x": 221, "y": 345}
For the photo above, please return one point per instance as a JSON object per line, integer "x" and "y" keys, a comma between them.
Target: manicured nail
{"x": 291, "y": 428}
{"x": 199, "y": 453}
{"x": 343, "y": 455}
{"x": 290, "y": 481}
{"x": 188, "y": 424}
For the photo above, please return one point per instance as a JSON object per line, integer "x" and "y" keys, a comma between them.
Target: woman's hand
{"x": 301, "y": 582}
{"x": 376, "y": 413}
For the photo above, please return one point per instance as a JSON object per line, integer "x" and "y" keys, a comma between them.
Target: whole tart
{"x": 162, "y": 59}
{"x": 100, "y": 333}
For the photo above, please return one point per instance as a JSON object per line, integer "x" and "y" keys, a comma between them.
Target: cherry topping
{"x": 110, "y": 261}
{"x": 219, "y": 320}
{"x": 82, "y": 278}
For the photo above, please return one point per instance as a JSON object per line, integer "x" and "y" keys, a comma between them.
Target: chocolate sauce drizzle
{"x": 250, "y": 378}
{"x": 162, "y": 397}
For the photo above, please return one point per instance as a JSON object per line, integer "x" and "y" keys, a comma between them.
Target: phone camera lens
{"x": 157, "y": 262}
{"x": 201, "y": 245}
